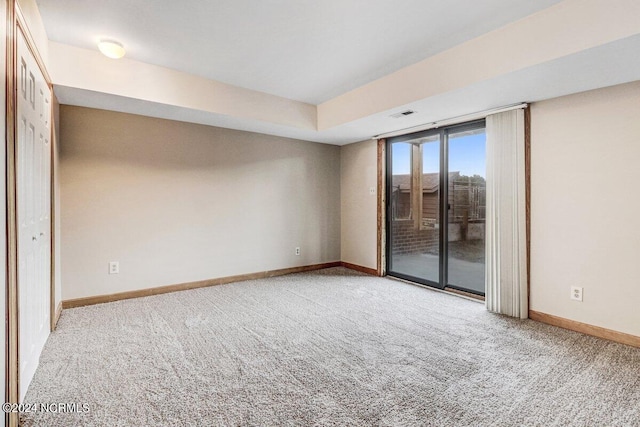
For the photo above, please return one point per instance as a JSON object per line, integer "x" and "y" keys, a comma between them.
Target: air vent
{"x": 402, "y": 114}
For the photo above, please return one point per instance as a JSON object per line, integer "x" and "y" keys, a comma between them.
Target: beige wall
{"x": 358, "y": 173}
{"x": 585, "y": 155}
{"x": 177, "y": 202}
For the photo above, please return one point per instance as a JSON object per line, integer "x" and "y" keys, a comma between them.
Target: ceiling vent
{"x": 402, "y": 114}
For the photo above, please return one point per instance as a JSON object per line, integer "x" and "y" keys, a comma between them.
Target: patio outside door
{"x": 436, "y": 207}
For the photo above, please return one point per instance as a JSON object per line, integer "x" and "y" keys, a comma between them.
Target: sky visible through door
{"x": 467, "y": 156}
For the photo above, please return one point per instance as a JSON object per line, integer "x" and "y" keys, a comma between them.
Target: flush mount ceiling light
{"x": 111, "y": 49}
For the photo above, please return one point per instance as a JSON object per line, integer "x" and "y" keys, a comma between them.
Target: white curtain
{"x": 506, "y": 259}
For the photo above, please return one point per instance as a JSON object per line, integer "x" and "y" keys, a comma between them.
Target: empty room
{"x": 310, "y": 213}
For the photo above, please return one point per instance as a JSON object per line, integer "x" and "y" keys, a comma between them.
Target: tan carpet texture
{"x": 326, "y": 348}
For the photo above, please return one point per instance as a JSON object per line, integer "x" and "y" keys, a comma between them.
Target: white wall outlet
{"x": 576, "y": 293}
{"x": 114, "y": 267}
{"x": 372, "y": 191}
{"x": 298, "y": 251}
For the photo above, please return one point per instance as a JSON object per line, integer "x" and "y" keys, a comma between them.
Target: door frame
{"x": 443, "y": 201}
{"x": 16, "y": 21}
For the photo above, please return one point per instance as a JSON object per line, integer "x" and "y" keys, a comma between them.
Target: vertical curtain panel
{"x": 506, "y": 262}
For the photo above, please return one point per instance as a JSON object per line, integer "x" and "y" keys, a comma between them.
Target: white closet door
{"x": 33, "y": 176}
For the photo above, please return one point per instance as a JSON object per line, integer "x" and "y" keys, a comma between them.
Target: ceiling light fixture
{"x": 111, "y": 49}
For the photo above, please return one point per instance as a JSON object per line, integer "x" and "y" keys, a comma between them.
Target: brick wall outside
{"x": 407, "y": 240}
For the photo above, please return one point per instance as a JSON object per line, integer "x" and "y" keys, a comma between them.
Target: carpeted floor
{"x": 327, "y": 348}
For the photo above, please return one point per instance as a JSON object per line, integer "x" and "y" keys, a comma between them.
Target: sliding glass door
{"x": 436, "y": 207}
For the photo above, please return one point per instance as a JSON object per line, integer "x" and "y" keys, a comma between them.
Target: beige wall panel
{"x": 176, "y": 202}
{"x": 585, "y": 157}
{"x": 358, "y": 205}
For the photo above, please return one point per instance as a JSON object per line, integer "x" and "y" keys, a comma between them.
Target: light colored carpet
{"x": 327, "y": 348}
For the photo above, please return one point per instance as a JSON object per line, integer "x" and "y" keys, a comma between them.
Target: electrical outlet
{"x": 372, "y": 191}
{"x": 576, "y": 293}
{"x": 114, "y": 267}
{"x": 297, "y": 251}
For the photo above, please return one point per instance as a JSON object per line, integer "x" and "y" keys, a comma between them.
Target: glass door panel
{"x": 414, "y": 214}
{"x": 466, "y": 213}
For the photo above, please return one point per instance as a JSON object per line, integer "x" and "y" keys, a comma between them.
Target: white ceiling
{"x": 305, "y": 50}
{"x": 350, "y": 59}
